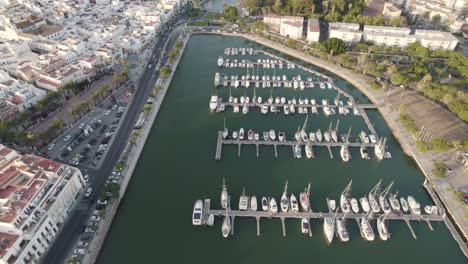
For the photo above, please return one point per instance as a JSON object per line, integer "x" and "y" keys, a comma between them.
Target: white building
{"x": 313, "y": 30}
{"x": 291, "y": 29}
{"x": 349, "y": 32}
{"x": 388, "y": 36}
{"x": 275, "y": 21}
{"x": 434, "y": 40}
{"x": 36, "y": 196}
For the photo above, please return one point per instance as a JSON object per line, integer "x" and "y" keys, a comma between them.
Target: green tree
{"x": 164, "y": 71}
{"x": 334, "y": 46}
{"x": 436, "y": 19}
{"x": 440, "y": 169}
{"x": 259, "y": 25}
{"x": 398, "y": 78}
{"x": 230, "y": 13}
{"x": 427, "y": 79}
{"x": 398, "y": 22}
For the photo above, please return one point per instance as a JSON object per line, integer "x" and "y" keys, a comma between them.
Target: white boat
{"x": 308, "y": 151}
{"x": 394, "y": 204}
{"x": 253, "y": 203}
{"x": 286, "y": 109}
{"x": 435, "y": 210}
{"x": 225, "y": 131}
{"x": 332, "y": 205}
{"x": 319, "y": 135}
{"x": 217, "y": 79}
{"x": 213, "y": 102}
{"x": 292, "y": 109}
{"x": 264, "y": 204}
{"x": 364, "y": 153}
{"x": 404, "y": 205}
{"x": 247, "y": 99}
{"x": 344, "y": 203}
{"x": 365, "y": 204}
{"x": 272, "y": 135}
{"x": 326, "y": 136}
{"x": 354, "y": 205}
{"x": 298, "y": 151}
{"x": 236, "y": 83}
{"x": 384, "y": 205}
{"x": 220, "y": 61}
{"x": 211, "y": 219}
{"x": 294, "y": 204}
{"x": 374, "y": 205}
{"x": 250, "y": 134}
{"x": 259, "y": 100}
{"x": 379, "y": 150}
{"x": 341, "y": 230}
{"x": 257, "y": 136}
{"x": 281, "y": 136}
{"x": 234, "y": 134}
{"x": 312, "y": 137}
{"x": 414, "y": 206}
{"x": 372, "y": 138}
{"x": 242, "y": 99}
{"x": 226, "y": 227}
{"x": 428, "y": 209}
{"x": 273, "y": 205}
{"x": 382, "y": 228}
{"x": 264, "y": 109}
{"x": 236, "y": 109}
{"x": 272, "y": 108}
{"x": 344, "y": 153}
{"x": 322, "y": 86}
{"x": 243, "y": 201}
{"x": 304, "y": 199}
{"x": 283, "y": 100}
{"x": 367, "y": 231}
{"x": 329, "y": 229}
{"x": 241, "y": 134}
{"x": 224, "y": 196}
{"x": 284, "y": 199}
{"x": 364, "y": 137}
{"x": 333, "y": 135}
{"x": 197, "y": 213}
{"x": 305, "y": 226}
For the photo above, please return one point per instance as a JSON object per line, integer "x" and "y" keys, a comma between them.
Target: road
{"x": 71, "y": 230}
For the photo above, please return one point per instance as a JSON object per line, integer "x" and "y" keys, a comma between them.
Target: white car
{"x": 114, "y": 107}
{"x": 86, "y": 178}
{"x": 88, "y": 192}
{"x": 80, "y": 251}
{"x": 82, "y": 125}
{"x": 67, "y": 138}
{"x": 108, "y": 112}
{"x": 95, "y": 218}
{"x": 83, "y": 244}
{"x": 51, "y": 146}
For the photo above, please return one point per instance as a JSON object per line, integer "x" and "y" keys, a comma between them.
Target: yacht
{"x": 374, "y": 204}
{"x": 217, "y": 79}
{"x": 382, "y": 228}
{"x": 384, "y": 204}
{"x": 220, "y": 61}
{"x": 404, "y": 204}
{"x": 226, "y": 227}
{"x": 326, "y": 136}
{"x": 332, "y": 205}
{"x": 344, "y": 153}
{"x": 197, "y": 213}
{"x": 294, "y": 204}
{"x": 272, "y": 135}
{"x": 243, "y": 201}
{"x": 281, "y": 136}
{"x": 273, "y": 205}
{"x": 329, "y": 229}
{"x": 372, "y": 138}
{"x": 298, "y": 151}
{"x": 341, "y": 230}
{"x": 250, "y": 134}
{"x": 284, "y": 199}
{"x": 364, "y": 137}
{"x": 304, "y": 199}
{"x": 394, "y": 204}
{"x": 365, "y": 204}
{"x": 354, "y": 205}
{"x": 364, "y": 153}
{"x": 241, "y": 134}
{"x": 319, "y": 135}
{"x": 257, "y": 136}
{"x": 344, "y": 203}
{"x": 414, "y": 206}
{"x": 308, "y": 151}
{"x": 224, "y": 196}
{"x": 253, "y": 203}
{"x": 367, "y": 230}
{"x": 305, "y": 226}
{"x": 213, "y": 102}
{"x": 264, "y": 204}
{"x": 234, "y": 134}
{"x": 312, "y": 137}
{"x": 264, "y": 109}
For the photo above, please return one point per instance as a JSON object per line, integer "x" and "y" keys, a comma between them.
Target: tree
{"x": 436, "y": 19}
{"x": 439, "y": 169}
{"x": 195, "y": 4}
{"x": 334, "y": 46}
{"x": 424, "y": 81}
{"x": 249, "y": 4}
{"x": 416, "y": 50}
{"x": 399, "y": 22}
{"x": 259, "y": 25}
{"x": 164, "y": 71}
{"x": 277, "y": 6}
{"x": 230, "y": 13}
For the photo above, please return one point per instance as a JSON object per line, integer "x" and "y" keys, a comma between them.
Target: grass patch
{"x": 198, "y": 24}
{"x": 408, "y": 123}
{"x": 439, "y": 169}
{"x": 213, "y": 16}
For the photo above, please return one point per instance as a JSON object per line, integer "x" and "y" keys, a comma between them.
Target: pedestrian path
{"x": 83, "y": 206}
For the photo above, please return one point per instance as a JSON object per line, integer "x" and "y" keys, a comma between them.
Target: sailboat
{"x": 294, "y": 204}
{"x": 382, "y": 227}
{"x": 383, "y": 200}
{"x": 344, "y": 202}
{"x": 319, "y": 135}
{"x": 230, "y": 96}
{"x": 334, "y": 132}
{"x": 305, "y": 226}
{"x": 273, "y": 205}
{"x": 404, "y": 205}
{"x": 329, "y": 228}
{"x": 304, "y": 199}
{"x": 243, "y": 201}
{"x": 354, "y": 205}
{"x": 341, "y": 230}
{"x": 284, "y": 199}
{"x": 365, "y": 204}
{"x": 264, "y": 204}
{"x": 308, "y": 151}
{"x": 344, "y": 153}
{"x": 224, "y": 196}
{"x": 226, "y": 227}
{"x": 372, "y": 201}
{"x": 225, "y": 130}
{"x": 366, "y": 228}
{"x": 303, "y": 133}
{"x": 379, "y": 149}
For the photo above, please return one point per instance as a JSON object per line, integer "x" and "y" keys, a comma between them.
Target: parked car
{"x": 51, "y": 146}
{"x": 80, "y": 251}
{"x": 83, "y": 244}
{"x": 86, "y": 178}
{"x": 95, "y": 218}
{"x": 88, "y": 192}
{"x": 67, "y": 138}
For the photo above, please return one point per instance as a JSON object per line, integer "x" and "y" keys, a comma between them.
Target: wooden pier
{"x": 318, "y": 106}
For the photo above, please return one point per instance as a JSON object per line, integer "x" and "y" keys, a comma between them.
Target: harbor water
{"x": 177, "y": 167}
{"x": 218, "y": 5}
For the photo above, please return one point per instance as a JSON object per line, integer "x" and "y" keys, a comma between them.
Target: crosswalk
{"x": 83, "y": 206}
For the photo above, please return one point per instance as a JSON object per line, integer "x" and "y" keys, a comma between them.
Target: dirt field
{"x": 439, "y": 122}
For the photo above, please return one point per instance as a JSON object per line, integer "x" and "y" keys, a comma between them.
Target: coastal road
{"x": 59, "y": 251}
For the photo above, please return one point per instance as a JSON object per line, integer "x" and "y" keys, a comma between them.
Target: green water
{"x": 177, "y": 167}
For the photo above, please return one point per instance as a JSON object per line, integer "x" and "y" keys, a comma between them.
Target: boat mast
{"x": 337, "y": 124}
{"x": 349, "y": 132}
{"x": 286, "y": 188}
{"x": 385, "y": 192}
{"x": 305, "y": 123}
{"x": 347, "y": 189}
{"x": 376, "y": 188}
{"x": 308, "y": 190}
{"x": 224, "y": 129}
{"x": 329, "y": 128}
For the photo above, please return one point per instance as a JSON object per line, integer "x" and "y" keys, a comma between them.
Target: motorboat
{"x": 220, "y": 61}
{"x": 329, "y": 229}
{"x": 259, "y": 100}
{"x": 292, "y": 109}
{"x": 272, "y": 108}
{"x": 305, "y": 226}
{"x": 384, "y": 205}
{"x": 242, "y": 99}
{"x": 308, "y": 151}
{"x": 435, "y": 210}
{"x": 247, "y": 99}
{"x": 304, "y": 199}
{"x": 414, "y": 206}
{"x": 365, "y": 204}
{"x": 372, "y": 138}
{"x": 298, "y": 151}
{"x": 264, "y": 204}
{"x": 379, "y": 150}
{"x": 326, "y": 136}
{"x": 250, "y": 134}
{"x": 374, "y": 204}
{"x": 319, "y": 135}
{"x": 225, "y": 133}
{"x": 243, "y": 201}
{"x": 286, "y": 109}
{"x": 281, "y": 136}
{"x": 394, "y": 204}
{"x": 312, "y": 137}
{"x": 428, "y": 209}
{"x": 294, "y": 204}
{"x": 333, "y": 135}
{"x": 197, "y": 213}
{"x": 297, "y": 135}
{"x": 367, "y": 231}
{"x": 364, "y": 137}
{"x": 300, "y": 110}
{"x": 354, "y": 205}
{"x": 404, "y": 204}
{"x": 284, "y": 199}
{"x": 341, "y": 230}
{"x": 344, "y": 153}
{"x": 322, "y": 86}
{"x": 257, "y": 136}
{"x": 210, "y": 221}
{"x": 332, "y": 205}
{"x": 273, "y": 205}
{"x": 382, "y": 228}
{"x": 266, "y": 137}
{"x": 344, "y": 203}
{"x": 226, "y": 227}
{"x": 213, "y": 102}
{"x": 364, "y": 153}
{"x": 234, "y": 134}
{"x": 236, "y": 109}
{"x": 272, "y": 134}
{"x": 241, "y": 134}
{"x": 253, "y": 203}
{"x": 224, "y": 196}
{"x": 264, "y": 109}
{"x": 217, "y": 79}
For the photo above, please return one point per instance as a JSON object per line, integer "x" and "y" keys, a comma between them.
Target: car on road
{"x": 83, "y": 244}
{"x": 88, "y": 192}
{"x": 89, "y": 230}
{"x": 51, "y": 146}
{"x": 67, "y": 138}
{"x": 86, "y": 178}
{"x": 80, "y": 251}
{"x": 95, "y": 218}
{"x": 108, "y": 112}
{"x": 114, "y": 107}
{"x": 154, "y": 75}
{"x": 81, "y": 126}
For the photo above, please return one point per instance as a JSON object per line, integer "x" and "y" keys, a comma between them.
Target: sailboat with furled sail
{"x": 344, "y": 201}
{"x": 284, "y": 199}
{"x": 303, "y": 133}
{"x": 341, "y": 229}
{"x": 334, "y": 132}
{"x": 226, "y": 227}
{"x": 225, "y": 130}
{"x": 224, "y": 196}
{"x": 304, "y": 199}
{"x": 374, "y": 205}
{"x": 384, "y": 204}
{"x": 382, "y": 227}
